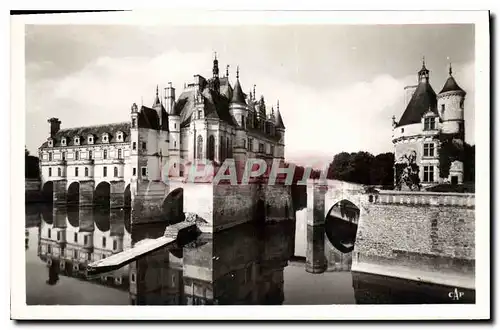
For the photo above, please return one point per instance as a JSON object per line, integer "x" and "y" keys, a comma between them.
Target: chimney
{"x": 55, "y": 126}
{"x": 169, "y": 99}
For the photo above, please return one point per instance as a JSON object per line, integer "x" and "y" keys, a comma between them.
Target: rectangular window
{"x": 143, "y": 145}
{"x": 104, "y": 242}
{"x": 429, "y": 124}
{"x": 104, "y": 171}
{"x": 64, "y": 155}
{"x": 58, "y": 235}
{"x": 50, "y": 171}
{"x": 134, "y": 171}
{"x": 134, "y": 145}
{"x": 76, "y": 171}
{"x": 250, "y": 144}
{"x": 261, "y": 147}
{"x": 50, "y": 156}
{"x": 428, "y": 149}
{"x": 272, "y": 150}
{"x": 442, "y": 108}
{"x": 105, "y": 154}
{"x": 75, "y": 254}
{"x": 85, "y": 240}
{"x": 86, "y": 171}
{"x": 144, "y": 171}
{"x": 58, "y": 171}
{"x": 119, "y": 153}
{"x": 49, "y": 249}
{"x": 77, "y": 155}
{"x": 199, "y": 114}
{"x": 115, "y": 245}
{"x": 133, "y": 122}
{"x": 75, "y": 237}
{"x": 90, "y": 154}
{"x": 49, "y": 233}
{"x": 428, "y": 173}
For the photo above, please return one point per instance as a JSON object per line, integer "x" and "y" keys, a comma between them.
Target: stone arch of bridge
{"x": 341, "y": 224}
{"x": 173, "y": 206}
{"x": 102, "y": 194}
{"x": 73, "y": 193}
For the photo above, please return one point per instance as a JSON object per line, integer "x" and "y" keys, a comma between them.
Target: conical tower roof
{"x": 238, "y": 96}
{"x": 279, "y": 120}
{"x": 451, "y": 85}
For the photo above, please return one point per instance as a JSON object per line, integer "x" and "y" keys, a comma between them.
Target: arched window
{"x": 211, "y": 148}
{"x": 115, "y": 171}
{"x": 199, "y": 147}
{"x": 222, "y": 153}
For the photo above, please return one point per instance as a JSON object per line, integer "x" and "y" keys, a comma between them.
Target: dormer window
{"x": 119, "y": 136}
{"x": 63, "y": 141}
{"x": 429, "y": 123}
{"x": 77, "y": 141}
{"x": 105, "y": 138}
{"x": 50, "y": 143}
{"x": 90, "y": 139}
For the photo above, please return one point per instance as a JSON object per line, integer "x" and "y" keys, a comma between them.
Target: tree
{"x": 341, "y": 167}
{"x": 382, "y": 170}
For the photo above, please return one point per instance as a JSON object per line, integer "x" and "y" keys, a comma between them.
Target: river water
{"x": 242, "y": 265}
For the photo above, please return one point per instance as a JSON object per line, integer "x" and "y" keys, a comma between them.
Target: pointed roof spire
{"x": 238, "y": 96}
{"x": 237, "y": 72}
{"x": 215, "y": 69}
{"x": 279, "y": 120}
{"x": 227, "y": 70}
{"x": 157, "y": 99}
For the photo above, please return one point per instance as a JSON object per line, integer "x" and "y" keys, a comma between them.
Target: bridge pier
{"x": 117, "y": 194}
{"x": 316, "y": 262}
{"x": 147, "y": 201}
{"x": 59, "y": 193}
{"x": 86, "y": 197}
{"x": 316, "y": 204}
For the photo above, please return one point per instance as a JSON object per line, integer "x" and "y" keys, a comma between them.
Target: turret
{"x": 169, "y": 99}
{"x": 451, "y": 106}
{"x": 280, "y": 131}
{"x": 423, "y": 74}
{"x": 238, "y": 105}
{"x": 54, "y": 126}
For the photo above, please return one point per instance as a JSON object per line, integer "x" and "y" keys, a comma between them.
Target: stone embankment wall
{"x": 421, "y": 236}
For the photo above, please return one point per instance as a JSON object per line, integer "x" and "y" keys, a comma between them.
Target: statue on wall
{"x": 407, "y": 172}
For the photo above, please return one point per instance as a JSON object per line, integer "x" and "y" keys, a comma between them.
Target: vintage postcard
{"x": 309, "y": 165}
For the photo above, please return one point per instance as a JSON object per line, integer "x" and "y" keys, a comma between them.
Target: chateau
{"x": 210, "y": 120}
{"x": 427, "y": 117}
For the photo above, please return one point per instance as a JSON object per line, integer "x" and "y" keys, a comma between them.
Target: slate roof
{"x": 148, "y": 118}
{"x": 279, "y": 120}
{"x": 422, "y": 100}
{"x": 96, "y": 131}
{"x": 238, "y": 95}
{"x": 451, "y": 85}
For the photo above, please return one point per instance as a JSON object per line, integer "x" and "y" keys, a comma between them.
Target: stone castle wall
{"x": 419, "y": 236}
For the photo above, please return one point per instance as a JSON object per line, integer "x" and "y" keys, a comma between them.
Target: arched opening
{"x": 127, "y": 219}
{"x": 48, "y": 192}
{"x": 73, "y": 195}
{"x": 341, "y": 225}
{"x": 102, "y": 219}
{"x": 127, "y": 197}
{"x": 102, "y": 194}
{"x": 211, "y": 148}
{"x": 173, "y": 206}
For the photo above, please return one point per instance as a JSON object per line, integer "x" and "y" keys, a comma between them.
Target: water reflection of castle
{"x": 243, "y": 265}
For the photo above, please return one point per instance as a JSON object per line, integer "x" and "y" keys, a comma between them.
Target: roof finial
{"x": 227, "y": 70}
{"x": 238, "y": 72}
{"x": 423, "y": 61}
{"x": 278, "y": 105}
{"x": 450, "y": 71}
{"x": 156, "y": 90}
{"x": 215, "y": 55}
{"x": 254, "y": 95}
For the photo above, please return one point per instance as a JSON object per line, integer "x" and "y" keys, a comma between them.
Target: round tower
{"x": 450, "y": 103}
{"x": 174, "y": 125}
{"x": 238, "y": 105}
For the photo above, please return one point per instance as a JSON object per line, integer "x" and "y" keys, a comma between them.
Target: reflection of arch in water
{"x": 127, "y": 219}
{"x": 73, "y": 194}
{"x": 73, "y": 215}
{"x": 127, "y": 197}
{"x": 102, "y": 194}
{"x": 101, "y": 219}
{"x": 173, "y": 206}
{"x": 47, "y": 216}
{"x": 341, "y": 225}
{"x": 48, "y": 192}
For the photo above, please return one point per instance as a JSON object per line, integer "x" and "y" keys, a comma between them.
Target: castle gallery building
{"x": 428, "y": 116}
{"x": 211, "y": 119}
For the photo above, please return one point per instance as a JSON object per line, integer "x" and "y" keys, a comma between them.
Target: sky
{"x": 338, "y": 85}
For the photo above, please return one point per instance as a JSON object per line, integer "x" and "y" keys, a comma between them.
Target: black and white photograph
{"x": 326, "y": 160}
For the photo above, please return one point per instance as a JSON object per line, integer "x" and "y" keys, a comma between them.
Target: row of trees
{"x": 31, "y": 168}
{"x": 363, "y": 167}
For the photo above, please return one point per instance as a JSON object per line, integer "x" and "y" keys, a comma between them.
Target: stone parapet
{"x": 422, "y": 198}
